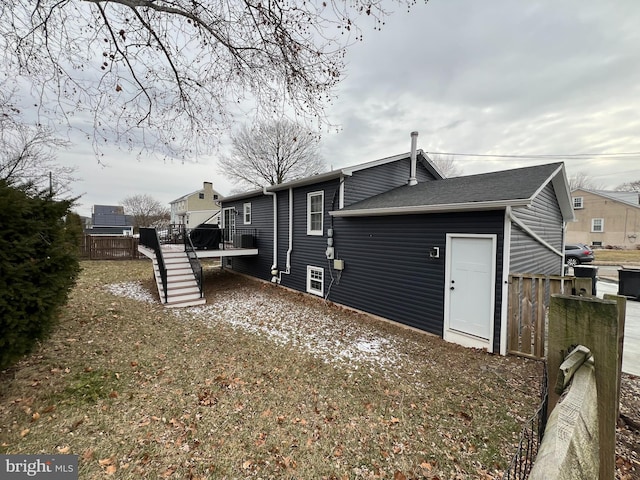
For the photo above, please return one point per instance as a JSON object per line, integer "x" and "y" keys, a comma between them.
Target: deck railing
{"x": 238, "y": 238}
{"x": 149, "y": 238}
{"x": 196, "y": 267}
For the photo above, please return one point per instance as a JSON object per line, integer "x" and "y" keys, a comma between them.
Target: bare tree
{"x": 171, "y": 74}
{"x": 446, "y": 164}
{"x": 629, "y": 186}
{"x": 27, "y": 152}
{"x": 146, "y": 211}
{"x": 272, "y": 153}
{"x": 584, "y": 181}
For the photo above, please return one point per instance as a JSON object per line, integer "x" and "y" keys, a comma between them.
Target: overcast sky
{"x": 493, "y": 77}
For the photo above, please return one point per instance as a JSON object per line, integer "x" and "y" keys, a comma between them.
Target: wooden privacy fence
{"x": 110, "y": 248}
{"x": 529, "y": 297}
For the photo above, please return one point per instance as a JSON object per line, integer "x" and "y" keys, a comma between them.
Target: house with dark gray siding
{"x": 395, "y": 239}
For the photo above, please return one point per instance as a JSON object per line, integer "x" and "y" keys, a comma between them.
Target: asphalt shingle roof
{"x": 507, "y": 185}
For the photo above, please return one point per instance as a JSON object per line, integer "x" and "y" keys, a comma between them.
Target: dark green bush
{"x": 38, "y": 267}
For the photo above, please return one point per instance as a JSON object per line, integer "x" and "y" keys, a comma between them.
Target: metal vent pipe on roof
{"x": 414, "y": 149}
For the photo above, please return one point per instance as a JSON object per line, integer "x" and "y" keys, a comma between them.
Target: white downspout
{"x": 290, "y": 249}
{"x": 274, "y": 267}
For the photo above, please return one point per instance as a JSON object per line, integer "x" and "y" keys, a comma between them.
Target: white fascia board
{"x": 416, "y": 209}
{"x": 321, "y": 177}
{"x": 563, "y": 194}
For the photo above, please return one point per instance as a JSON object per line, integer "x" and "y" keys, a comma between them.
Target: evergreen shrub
{"x": 38, "y": 267}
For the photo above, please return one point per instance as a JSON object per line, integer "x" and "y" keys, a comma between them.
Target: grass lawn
{"x": 260, "y": 383}
{"x": 617, "y": 257}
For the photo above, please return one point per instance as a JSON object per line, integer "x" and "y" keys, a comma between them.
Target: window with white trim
{"x": 247, "y": 214}
{"x": 597, "y": 225}
{"x": 315, "y": 206}
{"x": 577, "y": 202}
{"x": 315, "y": 280}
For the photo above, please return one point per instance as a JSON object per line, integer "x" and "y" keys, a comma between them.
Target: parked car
{"x": 577, "y": 253}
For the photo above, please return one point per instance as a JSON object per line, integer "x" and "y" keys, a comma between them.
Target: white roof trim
{"x": 416, "y": 209}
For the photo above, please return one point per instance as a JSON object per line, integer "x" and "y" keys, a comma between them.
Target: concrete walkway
{"x": 631, "y": 349}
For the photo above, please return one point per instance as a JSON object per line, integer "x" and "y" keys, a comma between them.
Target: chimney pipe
{"x": 414, "y": 143}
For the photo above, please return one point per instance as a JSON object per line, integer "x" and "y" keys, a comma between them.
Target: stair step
{"x": 173, "y": 296}
{"x": 173, "y": 290}
{"x": 186, "y": 303}
{"x": 182, "y": 287}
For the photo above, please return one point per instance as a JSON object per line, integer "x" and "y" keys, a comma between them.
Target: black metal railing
{"x": 149, "y": 238}
{"x": 196, "y": 267}
{"x": 173, "y": 234}
{"x": 238, "y": 238}
{"x": 530, "y": 438}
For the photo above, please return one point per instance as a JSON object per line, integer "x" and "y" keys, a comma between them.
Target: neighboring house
{"x": 605, "y": 218}
{"x": 395, "y": 239}
{"x": 109, "y": 220}
{"x": 196, "y": 207}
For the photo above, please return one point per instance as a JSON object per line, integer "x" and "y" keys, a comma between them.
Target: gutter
{"x": 416, "y": 209}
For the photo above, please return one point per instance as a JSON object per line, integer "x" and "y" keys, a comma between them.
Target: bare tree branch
{"x": 447, "y": 165}
{"x": 272, "y": 153}
{"x": 584, "y": 181}
{"x": 27, "y": 153}
{"x": 146, "y": 211}
{"x": 633, "y": 186}
{"x": 171, "y": 75}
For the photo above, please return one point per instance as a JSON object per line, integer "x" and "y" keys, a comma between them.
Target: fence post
{"x": 622, "y": 313}
{"x": 593, "y": 323}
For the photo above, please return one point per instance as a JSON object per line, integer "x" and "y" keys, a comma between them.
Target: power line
{"x": 559, "y": 156}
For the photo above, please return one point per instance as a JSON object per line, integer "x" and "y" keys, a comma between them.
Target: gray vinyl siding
{"x": 308, "y": 249}
{"x": 545, "y": 219}
{"x": 373, "y": 181}
{"x": 261, "y": 220}
{"x": 388, "y": 271}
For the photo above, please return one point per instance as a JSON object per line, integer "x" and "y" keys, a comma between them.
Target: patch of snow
{"x": 132, "y": 290}
{"x": 314, "y": 329}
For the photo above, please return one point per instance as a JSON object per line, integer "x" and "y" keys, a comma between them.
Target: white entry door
{"x": 470, "y": 289}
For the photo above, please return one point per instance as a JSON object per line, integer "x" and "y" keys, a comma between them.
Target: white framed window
{"x": 597, "y": 224}
{"x": 315, "y": 280}
{"x": 247, "y": 214}
{"x": 577, "y": 202}
{"x": 315, "y": 206}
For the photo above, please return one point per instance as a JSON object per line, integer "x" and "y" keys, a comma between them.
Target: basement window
{"x": 315, "y": 280}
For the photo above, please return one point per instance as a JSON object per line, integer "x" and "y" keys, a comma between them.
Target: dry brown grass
{"x": 617, "y": 257}
{"x": 139, "y": 392}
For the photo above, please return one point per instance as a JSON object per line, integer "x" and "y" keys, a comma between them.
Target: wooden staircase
{"x": 182, "y": 288}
